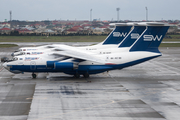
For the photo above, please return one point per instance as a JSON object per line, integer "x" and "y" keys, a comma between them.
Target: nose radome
{"x": 12, "y": 54}
{"x": 5, "y": 65}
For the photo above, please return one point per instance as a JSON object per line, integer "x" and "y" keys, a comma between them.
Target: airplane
{"x": 25, "y": 50}
{"x": 127, "y": 45}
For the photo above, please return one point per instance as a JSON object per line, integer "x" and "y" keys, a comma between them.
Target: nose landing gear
{"x": 85, "y": 75}
{"x": 34, "y": 76}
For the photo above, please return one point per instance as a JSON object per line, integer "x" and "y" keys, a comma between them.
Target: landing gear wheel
{"x": 77, "y": 75}
{"x": 86, "y": 75}
{"x": 34, "y": 76}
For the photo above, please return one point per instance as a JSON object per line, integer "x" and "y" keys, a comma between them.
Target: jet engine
{"x": 62, "y": 65}
{"x": 65, "y": 65}
{"x": 50, "y": 64}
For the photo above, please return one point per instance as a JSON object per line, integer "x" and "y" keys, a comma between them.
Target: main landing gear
{"x": 86, "y": 75}
{"x": 77, "y": 75}
{"x": 34, "y": 76}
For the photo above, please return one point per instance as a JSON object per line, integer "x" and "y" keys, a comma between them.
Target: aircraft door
{"x": 33, "y": 65}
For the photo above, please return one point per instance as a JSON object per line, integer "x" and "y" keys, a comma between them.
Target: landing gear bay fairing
{"x": 127, "y": 45}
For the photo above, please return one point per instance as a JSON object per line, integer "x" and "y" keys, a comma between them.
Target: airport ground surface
{"x": 148, "y": 91}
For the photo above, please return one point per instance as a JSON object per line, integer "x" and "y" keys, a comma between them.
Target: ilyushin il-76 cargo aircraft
{"x": 127, "y": 45}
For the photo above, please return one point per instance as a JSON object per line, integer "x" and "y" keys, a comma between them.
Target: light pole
{"x": 10, "y": 12}
{"x": 91, "y": 15}
{"x": 146, "y": 14}
{"x": 117, "y": 9}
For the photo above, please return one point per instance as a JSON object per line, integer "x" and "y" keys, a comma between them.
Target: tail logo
{"x": 118, "y": 34}
{"x": 134, "y": 36}
{"x": 152, "y": 38}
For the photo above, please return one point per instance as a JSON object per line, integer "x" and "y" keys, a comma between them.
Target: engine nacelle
{"x": 50, "y": 64}
{"x": 65, "y": 66}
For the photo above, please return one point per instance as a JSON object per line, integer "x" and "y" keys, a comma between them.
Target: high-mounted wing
{"x": 80, "y": 54}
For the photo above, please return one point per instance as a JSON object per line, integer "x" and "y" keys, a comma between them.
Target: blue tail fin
{"x": 132, "y": 36}
{"x": 150, "y": 39}
{"x": 117, "y": 35}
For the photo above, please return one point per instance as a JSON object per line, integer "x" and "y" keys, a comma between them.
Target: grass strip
{"x": 170, "y": 45}
{"x": 7, "y": 45}
{"x": 52, "y": 38}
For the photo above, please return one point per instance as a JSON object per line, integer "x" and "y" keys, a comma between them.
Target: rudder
{"x": 150, "y": 39}
{"x": 117, "y": 35}
{"x": 132, "y": 36}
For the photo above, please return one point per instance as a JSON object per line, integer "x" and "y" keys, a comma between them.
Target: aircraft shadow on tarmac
{"x": 68, "y": 78}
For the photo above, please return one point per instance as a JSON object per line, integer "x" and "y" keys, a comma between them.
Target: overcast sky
{"x": 80, "y": 9}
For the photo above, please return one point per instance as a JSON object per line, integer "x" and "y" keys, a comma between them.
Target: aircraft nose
{"x": 5, "y": 65}
{"x": 12, "y": 54}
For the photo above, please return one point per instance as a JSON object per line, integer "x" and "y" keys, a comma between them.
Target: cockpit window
{"x": 15, "y": 58}
{"x": 58, "y": 50}
{"x": 22, "y": 53}
{"x": 19, "y": 53}
{"x": 19, "y": 50}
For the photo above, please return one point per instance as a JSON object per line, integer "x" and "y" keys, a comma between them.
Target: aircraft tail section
{"x": 151, "y": 38}
{"x": 132, "y": 36}
{"x": 118, "y": 34}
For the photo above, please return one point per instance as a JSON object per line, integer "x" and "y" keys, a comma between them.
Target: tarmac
{"x": 148, "y": 91}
